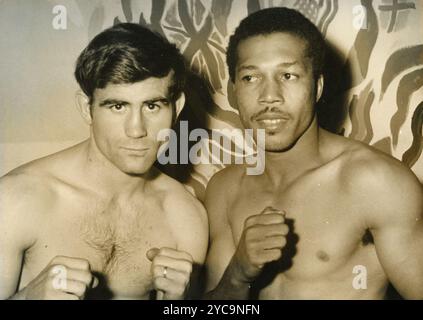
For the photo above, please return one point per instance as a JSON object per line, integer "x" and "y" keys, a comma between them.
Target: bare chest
{"x": 327, "y": 236}
{"x": 114, "y": 237}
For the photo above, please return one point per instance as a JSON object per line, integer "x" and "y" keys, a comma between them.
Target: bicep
{"x": 16, "y": 233}
{"x": 398, "y": 235}
{"x": 222, "y": 245}
{"x": 10, "y": 260}
{"x": 400, "y": 251}
{"x": 220, "y": 253}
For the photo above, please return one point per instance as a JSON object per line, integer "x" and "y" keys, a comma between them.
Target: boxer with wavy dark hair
{"x": 98, "y": 220}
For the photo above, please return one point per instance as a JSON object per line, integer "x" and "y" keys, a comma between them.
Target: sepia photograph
{"x": 238, "y": 150}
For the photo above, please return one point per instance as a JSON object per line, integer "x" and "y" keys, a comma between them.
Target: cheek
{"x": 157, "y": 123}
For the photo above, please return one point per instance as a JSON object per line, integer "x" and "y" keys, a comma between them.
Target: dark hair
{"x": 128, "y": 53}
{"x": 273, "y": 20}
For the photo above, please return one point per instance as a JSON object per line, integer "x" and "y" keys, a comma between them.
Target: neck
{"x": 105, "y": 176}
{"x": 301, "y": 157}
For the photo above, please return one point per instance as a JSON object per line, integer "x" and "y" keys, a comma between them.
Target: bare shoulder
{"x": 177, "y": 198}
{"x": 28, "y": 192}
{"x": 186, "y": 217}
{"x": 24, "y": 198}
{"x": 369, "y": 167}
{"x": 380, "y": 182}
{"x": 225, "y": 184}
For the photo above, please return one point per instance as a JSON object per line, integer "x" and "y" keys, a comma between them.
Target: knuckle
{"x": 85, "y": 265}
{"x": 57, "y": 259}
{"x": 166, "y": 251}
{"x": 250, "y": 221}
{"x": 279, "y": 218}
{"x": 189, "y": 257}
{"x": 189, "y": 268}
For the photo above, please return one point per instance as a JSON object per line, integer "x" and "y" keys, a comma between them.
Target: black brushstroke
{"x": 253, "y": 6}
{"x": 410, "y": 83}
{"x": 411, "y": 156}
{"x": 362, "y": 49}
{"x": 199, "y": 42}
{"x": 331, "y": 17}
{"x": 384, "y": 145}
{"x": 394, "y": 8}
{"x": 366, "y": 115}
{"x": 399, "y": 61}
{"x": 220, "y": 11}
{"x": 353, "y": 117}
{"x": 126, "y": 8}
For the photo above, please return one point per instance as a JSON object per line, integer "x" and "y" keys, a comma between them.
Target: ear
{"x": 320, "y": 85}
{"x": 179, "y": 105}
{"x": 83, "y": 105}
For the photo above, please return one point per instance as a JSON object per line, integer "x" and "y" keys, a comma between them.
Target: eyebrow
{"x": 158, "y": 99}
{"x": 253, "y": 67}
{"x": 109, "y": 102}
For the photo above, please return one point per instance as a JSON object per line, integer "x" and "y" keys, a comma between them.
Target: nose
{"x": 270, "y": 92}
{"x": 135, "y": 126}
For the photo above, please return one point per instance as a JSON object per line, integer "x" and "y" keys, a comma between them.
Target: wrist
{"x": 238, "y": 278}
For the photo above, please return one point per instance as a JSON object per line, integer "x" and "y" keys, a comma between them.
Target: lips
{"x": 271, "y": 121}
{"x": 135, "y": 151}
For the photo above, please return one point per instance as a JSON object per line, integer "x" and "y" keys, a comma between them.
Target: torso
{"x": 113, "y": 234}
{"x": 328, "y": 237}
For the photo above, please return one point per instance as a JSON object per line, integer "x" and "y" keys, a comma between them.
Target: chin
{"x": 276, "y": 145}
{"x": 135, "y": 169}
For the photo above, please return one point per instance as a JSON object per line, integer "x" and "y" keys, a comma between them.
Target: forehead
{"x": 280, "y": 46}
{"x": 141, "y": 90}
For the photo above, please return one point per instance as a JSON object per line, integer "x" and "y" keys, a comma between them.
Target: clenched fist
{"x": 171, "y": 270}
{"x": 64, "y": 278}
{"x": 262, "y": 241}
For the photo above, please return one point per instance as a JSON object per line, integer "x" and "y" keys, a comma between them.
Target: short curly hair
{"x": 278, "y": 19}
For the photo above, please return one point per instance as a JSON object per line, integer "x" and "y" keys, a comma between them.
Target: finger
{"x": 95, "y": 282}
{"x": 80, "y": 275}
{"x": 70, "y": 262}
{"x": 169, "y": 273}
{"x": 270, "y": 218}
{"x": 152, "y": 253}
{"x": 271, "y": 230}
{"x": 269, "y": 209}
{"x": 171, "y": 289}
{"x": 176, "y": 264}
{"x": 159, "y": 295}
{"x": 77, "y": 288}
{"x": 177, "y": 254}
{"x": 271, "y": 255}
{"x": 276, "y": 242}
{"x": 60, "y": 295}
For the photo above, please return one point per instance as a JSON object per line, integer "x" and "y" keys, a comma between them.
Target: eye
{"x": 249, "y": 78}
{"x": 117, "y": 107}
{"x": 152, "y": 107}
{"x": 289, "y": 76}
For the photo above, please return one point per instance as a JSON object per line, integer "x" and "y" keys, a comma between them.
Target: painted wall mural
{"x": 374, "y": 75}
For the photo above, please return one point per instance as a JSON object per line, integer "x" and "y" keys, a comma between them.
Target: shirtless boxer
{"x": 97, "y": 220}
{"x": 330, "y": 218}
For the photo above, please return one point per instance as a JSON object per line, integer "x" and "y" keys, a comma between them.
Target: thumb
{"x": 94, "y": 282}
{"x": 152, "y": 253}
{"x": 270, "y": 209}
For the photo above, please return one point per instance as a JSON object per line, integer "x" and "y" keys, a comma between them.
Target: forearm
{"x": 230, "y": 287}
{"x": 20, "y": 295}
